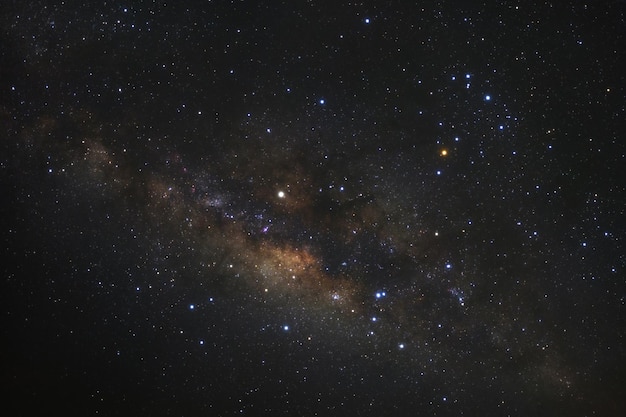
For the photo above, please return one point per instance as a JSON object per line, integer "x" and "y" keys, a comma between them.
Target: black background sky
{"x": 313, "y": 208}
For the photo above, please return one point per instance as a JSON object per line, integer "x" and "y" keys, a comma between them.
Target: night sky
{"x": 313, "y": 208}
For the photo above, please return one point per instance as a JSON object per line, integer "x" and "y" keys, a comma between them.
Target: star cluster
{"x": 290, "y": 209}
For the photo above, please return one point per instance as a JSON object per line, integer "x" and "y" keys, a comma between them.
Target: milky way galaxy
{"x": 289, "y": 209}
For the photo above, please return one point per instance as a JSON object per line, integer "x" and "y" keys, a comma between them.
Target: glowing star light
{"x": 281, "y": 194}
